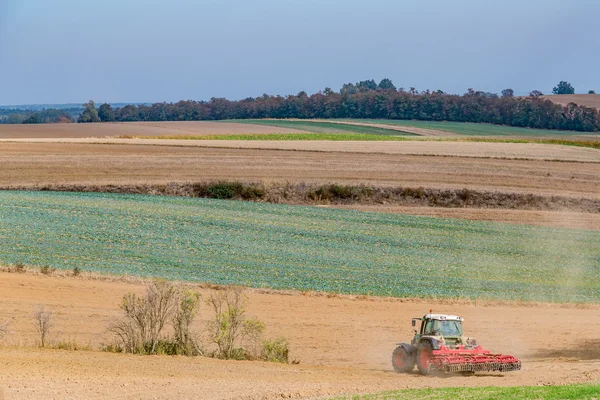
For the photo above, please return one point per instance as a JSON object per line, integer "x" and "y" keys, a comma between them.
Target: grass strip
{"x": 567, "y": 392}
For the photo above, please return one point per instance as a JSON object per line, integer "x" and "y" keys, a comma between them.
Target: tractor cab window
{"x": 444, "y": 328}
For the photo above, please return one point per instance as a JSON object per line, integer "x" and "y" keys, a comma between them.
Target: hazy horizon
{"x": 134, "y": 51}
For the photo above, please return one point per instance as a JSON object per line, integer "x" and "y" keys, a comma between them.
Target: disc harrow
{"x": 471, "y": 360}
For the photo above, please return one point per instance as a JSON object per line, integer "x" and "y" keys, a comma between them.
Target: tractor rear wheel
{"x": 423, "y": 357}
{"x": 402, "y": 361}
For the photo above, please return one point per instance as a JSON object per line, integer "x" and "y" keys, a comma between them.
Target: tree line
{"x": 362, "y": 100}
{"x": 47, "y": 116}
{"x": 370, "y": 100}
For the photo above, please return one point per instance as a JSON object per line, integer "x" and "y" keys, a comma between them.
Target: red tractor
{"x": 440, "y": 347}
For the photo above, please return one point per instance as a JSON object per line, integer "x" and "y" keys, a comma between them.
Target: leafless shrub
{"x": 43, "y": 324}
{"x": 141, "y": 329}
{"x": 235, "y": 335}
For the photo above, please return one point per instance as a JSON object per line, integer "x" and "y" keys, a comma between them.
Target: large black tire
{"x": 424, "y": 354}
{"x": 402, "y": 361}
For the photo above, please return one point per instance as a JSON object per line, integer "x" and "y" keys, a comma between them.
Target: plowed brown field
{"x": 36, "y": 163}
{"x": 344, "y": 346}
{"x": 133, "y": 129}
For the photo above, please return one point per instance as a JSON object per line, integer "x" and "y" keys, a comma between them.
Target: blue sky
{"x": 63, "y": 51}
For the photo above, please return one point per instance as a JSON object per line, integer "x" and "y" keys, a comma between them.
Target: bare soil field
{"x": 343, "y": 344}
{"x": 133, "y": 129}
{"x": 23, "y": 164}
{"x": 588, "y": 100}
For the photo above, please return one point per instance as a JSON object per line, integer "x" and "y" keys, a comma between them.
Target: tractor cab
{"x": 440, "y": 325}
{"x": 445, "y": 328}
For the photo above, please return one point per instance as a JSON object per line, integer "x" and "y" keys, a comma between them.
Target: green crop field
{"x": 322, "y": 127}
{"x": 567, "y": 392}
{"x": 472, "y": 129}
{"x": 293, "y": 247}
{"x": 459, "y": 128}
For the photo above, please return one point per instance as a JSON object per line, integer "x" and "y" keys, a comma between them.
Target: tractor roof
{"x": 443, "y": 317}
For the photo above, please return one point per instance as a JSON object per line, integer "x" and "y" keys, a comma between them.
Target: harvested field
{"x": 344, "y": 346}
{"x": 132, "y": 129}
{"x": 24, "y": 164}
{"x": 525, "y": 151}
{"x": 588, "y": 100}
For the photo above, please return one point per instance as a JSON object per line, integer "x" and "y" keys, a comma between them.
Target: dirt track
{"x": 133, "y": 129}
{"x": 343, "y": 345}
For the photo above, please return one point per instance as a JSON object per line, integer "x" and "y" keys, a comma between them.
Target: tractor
{"x": 440, "y": 347}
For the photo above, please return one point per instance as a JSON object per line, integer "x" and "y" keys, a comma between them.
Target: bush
{"x": 70, "y": 345}
{"x": 252, "y": 192}
{"x": 341, "y": 192}
{"x": 18, "y": 268}
{"x": 418, "y": 193}
{"x": 235, "y": 335}
{"x": 186, "y": 312}
{"x": 225, "y": 190}
{"x": 46, "y": 270}
{"x": 76, "y": 271}
{"x": 276, "y": 350}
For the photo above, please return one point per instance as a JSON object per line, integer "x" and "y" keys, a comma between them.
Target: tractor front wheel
{"x": 423, "y": 357}
{"x": 402, "y": 361}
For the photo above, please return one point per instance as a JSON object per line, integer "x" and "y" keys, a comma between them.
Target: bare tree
{"x": 43, "y": 323}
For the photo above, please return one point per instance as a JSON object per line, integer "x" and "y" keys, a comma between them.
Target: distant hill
{"x": 588, "y": 100}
